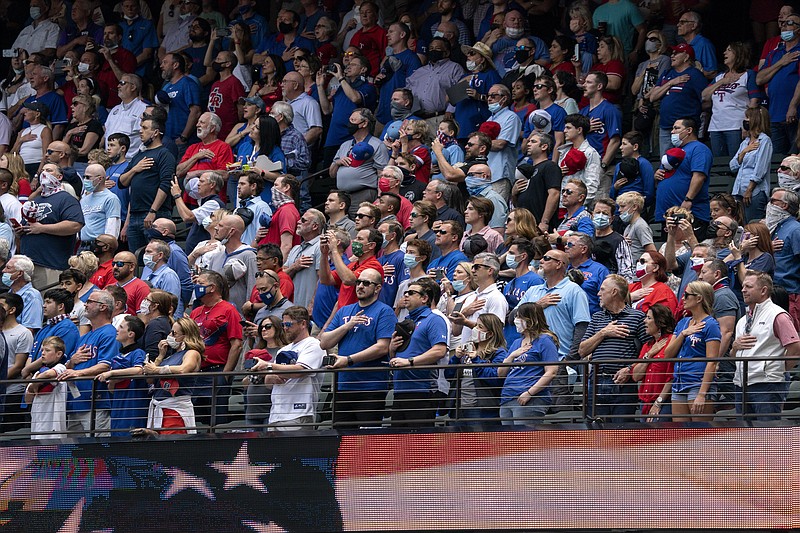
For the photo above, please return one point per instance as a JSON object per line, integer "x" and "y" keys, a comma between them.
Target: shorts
{"x": 688, "y": 395}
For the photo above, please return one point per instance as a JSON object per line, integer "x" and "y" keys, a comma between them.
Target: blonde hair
{"x": 16, "y": 165}
{"x": 672, "y": 211}
{"x": 706, "y": 293}
{"x": 192, "y": 338}
{"x": 631, "y": 198}
{"x": 86, "y": 262}
{"x": 467, "y": 266}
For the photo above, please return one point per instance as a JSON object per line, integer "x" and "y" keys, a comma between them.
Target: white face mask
{"x": 514, "y": 33}
{"x": 144, "y": 307}
{"x": 520, "y": 325}
{"x": 174, "y": 344}
{"x": 83, "y": 67}
{"x": 471, "y": 65}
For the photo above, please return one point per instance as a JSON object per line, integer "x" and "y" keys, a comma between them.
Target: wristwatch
{"x": 687, "y": 199}
{"x": 603, "y": 165}
{"x": 176, "y": 196}
{"x": 183, "y": 138}
{"x": 151, "y": 210}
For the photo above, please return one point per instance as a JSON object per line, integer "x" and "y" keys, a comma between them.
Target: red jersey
{"x": 126, "y": 62}
{"x": 104, "y": 275}
{"x": 284, "y": 219}
{"x": 347, "y": 293}
{"x": 223, "y": 156}
{"x": 286, "y": 284}
{"x": 137, "y": 290}
{"x": 372, "y": 43}
{"x": 423, "y": 157}
{"x": 219, "y": 324}
{"x": 222, "y": 100}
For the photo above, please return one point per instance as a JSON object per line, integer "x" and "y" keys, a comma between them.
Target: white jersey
{"x": 298, "y": 396}
{"x": 49, "y": 408}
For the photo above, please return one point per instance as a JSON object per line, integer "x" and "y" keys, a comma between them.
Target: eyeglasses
{"x": 521, "y": 47}
{"x": 569, "y": 245}
{"x": 690, "y": 294}
{"x": 539, "y": 86}
{"x": 654, "y": 39}
{"x": 470, "y": 144}
{"x": 413, "y": 215}
{"x": 494, "y": 95}
{"x": 441, "y": 232}
{"x": 121, "y": 263}
{"x": 366, "y": 282}
{"x": 266, "y": 325}
{"x": 262, "y": 273}
{"x": 362, "y": 215}
{"x": 548, "y": 258}
{"x": 98, "y": 302}
{"x": 476, "y": 267}
{"x": 681, "y": 22}
{"x": 567, "y": 192}
{"x": 287, "y": 325}
{"x": 784, "y": 167}
{"x": 348, "y": 54}
{"x": 789, "y": 23}
{"x": 409, "y": 292}
{"x": 642, "y": 261}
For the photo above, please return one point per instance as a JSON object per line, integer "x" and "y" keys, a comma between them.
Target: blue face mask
{"x": 266, "y": 297}
{"x": 199, "y": 291}
{"x": 536, "y": 264}
{"x": 410, "y": 260}
{"x": 7, "y": 279}
{"x": 675, "y": 139}
{"x": 88, "y": 186}
{"x": 494, "y": 107}
{"x": 459, "y": 285}
{"x": 787, "y": 36}
{"x": 475, "y": 185}
{"x": 601, "y": 220}
{"x": 511, "y": 261}
{"x": 626, "y": 216}
{"x": 152, "y": 233}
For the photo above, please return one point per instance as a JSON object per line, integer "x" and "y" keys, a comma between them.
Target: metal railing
{"x": 468, "y": 396}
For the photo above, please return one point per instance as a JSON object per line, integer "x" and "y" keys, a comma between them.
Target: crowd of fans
{"x": 493, "y": 171}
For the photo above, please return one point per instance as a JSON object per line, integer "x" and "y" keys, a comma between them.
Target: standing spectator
{"x": 33, "y": 140}
{"x": 125, "y": 118}
{"x": 158, "y": 274}
{"x": 101, "y": 208}
{"x": 365, "y": 247}
{"x": 772, "y": 334}
{"x": 697, "y": 337}
{"x": 615, "y": 332}
{"x": 249, "y": 190}
{"x": 477, "y": 216}
{"x": 210, "y": 153}
{"x": 95, "y": 352}
{"x": 256, "y": 24}
{"x": 576, "y": 217}
{"x": 611, "y": 62}
{"x": 165, "y": 230}
{"x": 43, "y": 83}
{"x": 605, "y": 123}
{"x": 448, "y": 240}
{"x": 83, "y": 31}
{"x": 781, "y": 220}
{"x": 58, "y": 304}
{"x": 117, "y": 61}
{"x": 48, "y": 405}
{"x": 427, "y": 344}
{"x": 503, "y": 154}
{"x": 138, "y": 35}
{"x": 472, "y": 111}
{"x": 440, "y": 194}
{"x": 84, "y": 132}
{"x": 283, "y": 227}
{"x": 288, "y": 39}
{"x": 225, "y": 92}
{"x": 41, "y": 35}
{"x": 49, "y": 239}
{"x": 634, "y": 173}
{"x": 389, "y": 181}
{"x": 155, "y": 313}
{"x": 689, "y": 27}
{"x": 307, "y": 114}
{"x": 576, "y": 128}
{"x": 124, "y": 272}
{"x": 681, "y": 89}
{"x": 17, "y": 341}
{"x": 751, "y": 164}
{"x": 537, "y": 186}
{"x": 393, "y": 261}
{"x": 221, "y": 332}
{"x": 303, "y": 260}
{"x": 371, "y": 39}
{"x": 395, "y": 68}
{"x": 647, "y": 75}
{"x": 429, "y": 83}
{"x": 423, "y": 216}
{"x": 580, "y": 249}
{"x": 239, "y": 268}
{"x": 105, "y": 246}
{"x": 175, "y": 36}
{"x": 655, "y": 377}
{"x": 731, "y": 94}
{"x": 688, "y": 186}
{"x": 357, "y": 162}
{"x": 239, "y": 138}
{"x": 362, "y": 331}
{"x": 780, "y": 75}
{"x": 295, "y": 149}
{"x": 208, "y": 185}
{"x": 182, "y": 95}
{"x": 621, "y": 19}
{"x": 610, "y": 248}
{"x": 149, "y": 176}
{"x": 337, "y": 207}
{"x": 637, "y": 231}
{"x": 415, "y": 137}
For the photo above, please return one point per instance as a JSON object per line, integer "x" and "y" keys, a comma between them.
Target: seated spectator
{"x": 580, "y": 250}
{"x": 171, "y": 411}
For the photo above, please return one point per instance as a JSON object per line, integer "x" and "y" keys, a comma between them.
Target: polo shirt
{"x": 781, "y": 87}
{"x": 613, "y": 347}
{"x": 104, "y": 346}
{"x": 430, "y": 330}
{"x": 307, "y": 113}
{"x": 502, "y": 163}
{"x": 593, "y": 273}
{"x": 611, "y": 124}
{"x": 166, "y": 279}
{"x": 305, "y": 280}
{"x": 126, "y": 118}
{"x": 31, "y": 316}
{"x": 787, "y": 274}
{"x": 448, "y": 262}
{"x": 561, "y": 318}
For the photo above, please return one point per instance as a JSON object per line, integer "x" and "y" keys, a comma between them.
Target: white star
{"x": 182, "y": 480}
{"x": 242, "y": 472}
{"x": 261, "y": 527}
{"x": 73, "y": 523}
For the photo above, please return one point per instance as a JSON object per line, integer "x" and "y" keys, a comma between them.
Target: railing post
{"x": 745, "y": 376}
{"x": 93, "y": 409}
{"x": 592, "y": 371}
{"x": 212, "y": 422}
{"x": 334, "y": 387}
{"x": 459, "y": 375}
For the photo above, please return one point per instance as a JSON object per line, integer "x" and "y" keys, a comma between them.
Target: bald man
{"x": 59, "y": 153}
{"x": 105, "y": 246}
{"x": 566, "y": 308}
{"x": 124, "y": 267}
{"x": 307, "y": 112}
{"x": 239, "y": 269}
{"x": 479, "y": 183}
{"x": 165, "y": 229}
{"x": 101, "y": 207}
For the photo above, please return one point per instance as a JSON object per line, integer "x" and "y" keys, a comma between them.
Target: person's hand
{"x": 749, "y": 244}
{"x": 214, "y": 35}
{"x": 333, "y": 240}
{"x": 81, "y": 355}
{"x": 791, "y": 113}
{"x": 520, "y": 186}
{"x": 685, "y": 226}
{"x": 202, "y": 250}
{"x": 777, "y": 245}
{"x": 683, "y": 78}
{"x": 351, "y": 24}
{"x": 380, "y": 77}
{"x": 68, "y": 373}
{"x": 123, "y": 233}
{"x": 615, "y": 330}
{"x": 29, "y": 137}
{"x": 595, "y": 124}
{"x": 399, "y": 362}
{"x": 743, "y": 342}
{"x": 524, "y": 398}
{"x": 357, "y": 320}
{"x": 787, "y": 58}
{"x": 691, "y": 329}
{"x": 345, "y": 161}
{"x": 475, "y": 305}
{"x": 250, "y": 329}
{"x": 395, "y": 343}
{"x": 338, "y": 73}
{"x": 471, "y": 93}
{"x": 260, "y": 365}
{"x": 620, "y": 183}
{"x": 699, "y": 404}
{"x": 437, "y": 147}
{"x": 544, "y": 227}
{"x": 654, "y": 411}
{"x": 148, "y": 220}
{"x": 753, "y": 145}
{"x": 288, "y": 54}
{"x": 320, "y": 76}
{"x": 735, "y": 254}
{"x": 659, "y": 174}
{"x": 564, "y": 169}
{"x": 274, "y": 379}
{"x": 549, "y": 299}
{"x": 175, "y": 188}
{"x": 638, "y": 294}
{"x": 388, "y": 269}
{"x": 340, "y": 362}
{"x": 34, "y": 228}
{"x": 103, "y": 377}
{"x": 623, "y": 375}
{"x": 457, "y": 318}
{"x": 150, "y": 367}
{"x": 145, "y": 163}
{"x": 523, "y": 348}
{"x": 261, "y": 233}
{"x": 163, "y": 346}
{"x": 303, "y": 262}
{"x": 747, "y": 197}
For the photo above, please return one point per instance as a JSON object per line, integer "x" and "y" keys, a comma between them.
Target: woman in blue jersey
{"x": 479, "y": 385}
{"x": 525, "y": 396}
{"x": 696, "y": 336}
{"x": 171, "y": 410}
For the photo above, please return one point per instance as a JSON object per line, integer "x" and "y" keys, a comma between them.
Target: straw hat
{"x": 481, "y": 49}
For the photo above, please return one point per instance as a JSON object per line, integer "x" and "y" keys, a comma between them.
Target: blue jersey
{"x": 113, "y": 173}
{"x": 557, "y": 116}
{"x": 448, "y": 262}
{"x": 470, "y": 113}
{"x": 392, "y": 283}
{"x": 430, "y": 330}
{"x": 521, "y": 378}
{"x": 64, "y": 329}
{"x": 593, "y": 275}
{"x": 380, "y": 325}
{"x": 409, "y": 62}
{"x": 104, "y": 347}
{"x": 690, "y": 374}
{"x": 325, "y": 299}
{"x": 781, "y": 87}
{"x": 514, "y": 291}
{"x": 683, "y": 99}
{"x": 611, "y": 127}
{"x": 644, "y": 183}
{"x": 182, "y": 94}
{"x": 129, "y": 399}
{"x": 672, "y": 190}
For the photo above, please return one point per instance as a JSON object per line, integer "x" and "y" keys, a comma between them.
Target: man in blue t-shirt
{"x": 392, "y": 261}
{"x": 95, "y": 352}
{"x": 605, "y": 124}
{"x": 448, "y": 239}
{"x": 395, "y": 69}
{"x": 362, "y": 330}
{"x": 138, "y": 35}
{"x": 580, "y": 250}
{"x": 413, "y": 389}
{"x": 182, "y": 95}
{"x": 780, "y": 75}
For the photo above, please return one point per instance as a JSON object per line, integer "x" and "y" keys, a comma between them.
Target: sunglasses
{"x": 267, "y": 325}
{"x": 287, "y": 325}
{"x": 547, "y": 258}
{"x": 475, "y": 268}
{"x": 362, "y": 215}
{"x": 440, "y": 232}
{"x": 411, "y": 291}
{"x": 784, "y": 167}
{"x": 121, "y": 263}
{"x": 642, "y": 261}
{"x": 569, "y": 245}
{"x": 567, "y": 192}
{"x": 540, "y": 86}
{"x": 366, "y": 282}
{"x": 262, "y": 274}
{"x": 690, "y": 294}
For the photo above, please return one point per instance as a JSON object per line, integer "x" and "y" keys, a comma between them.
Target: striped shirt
{"x": 612, "y": 348}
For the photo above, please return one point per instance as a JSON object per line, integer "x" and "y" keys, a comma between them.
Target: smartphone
{"x": 439, "y": 274}
{"x": 224, "y": 32}
{"x": 576, "y": 53}
{"x": 249, "y": 363}
{"x": 458, "y": 306}
{"x": 328, "y": 360}
{"x": 15, "y": 222}
{"x": 10, "y": 52}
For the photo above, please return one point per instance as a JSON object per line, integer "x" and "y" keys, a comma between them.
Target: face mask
{"x": 626, "y": 216}
{"x": 399, "y": 111}
{"x": 6, "y": 279}
{"x": 475, "y": 185}
{"x": 386, "y": 241}
{"x": 206, "y": 222}
{"x": 50, "y": 184}
{"x": 697, "y": 263}
{"x": 471, "y": 65}
{"x": 243, "y": 10}
{"x": 18, "y": 71}
{"x": 536, "y": 264}
{"x": 149, "y": 141}
{"x": 787, "y": 181}
{"x": 482, "y": 335}
{"x": 185, "y": 16}
{"x": 148, "y": 261}
{"x": 406, "y": 174}
{"x": 711, "y": 231}
{"x": 129, "y": 19}
{"x": 88, "y": 186}
{"x": 746, "y": 125}
{"x": 410, "y": 260}
{"x": 520, "y": 325}
{"x": 775, "y": 215}
{"x": 284, "y": 27}
{"x": 83, "y": 67}
{"x": 641, "y": 272}
{"x": 199, "y": 291}
{"x": 494, "y": 107}
{"x": 444, "y": 138}
{"x": 522, "y": 56}
{"x": 651, "y": 47}
{"x": 352, "y": 128}
{"x": 514, "y": 33}
{"x": 266, "y": 297}
{"x": 358, "y": 248}
{"x": 111, "y": 45}
{"x": 144, "y": 307}
{"x": 437, "y": 35}
{"x": 384, "y": 184}
{"x": 36, "y": 12}
{"x": 435, "y": 55}
{"x": 173, "y": 343}
{"x": 785, "y": 35}
{"x": 675, "y": 139}
{"x": 217, "y": 67}
{"x": 98, "y": 249}
{"x": 601, "y": 220}
{"x": 459, "y": 285}
{"x": 511, "y": 261}
{"x": 152, "y": 233}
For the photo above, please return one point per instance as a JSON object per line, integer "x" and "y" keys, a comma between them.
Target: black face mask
{"x": 217, "y": 67}
{"x": 283, "y": 27}
{"x": 746, "y": 125}
{"x": 711, "y": 232}
{"x": 522, "y": 56}
{"x": 352, "y": 128}
{"x": 435, "y": 55}
{"x": 98, "y": 248}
